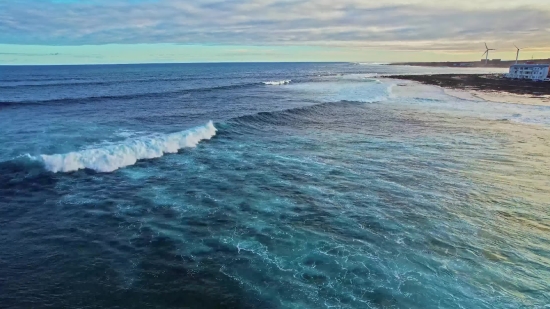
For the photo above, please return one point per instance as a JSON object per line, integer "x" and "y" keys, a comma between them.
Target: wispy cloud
{"x": 29, "y": 54}
{"x": 394, "y": 24}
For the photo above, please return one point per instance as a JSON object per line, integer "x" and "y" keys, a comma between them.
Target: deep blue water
{"x": 296, "y": 185}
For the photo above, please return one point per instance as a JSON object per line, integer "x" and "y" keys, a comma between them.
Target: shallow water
{"x": 335, "y": 190}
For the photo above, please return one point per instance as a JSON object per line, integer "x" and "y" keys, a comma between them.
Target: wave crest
{"x": 111, "y": 158}
{"x": 276, "y": 83}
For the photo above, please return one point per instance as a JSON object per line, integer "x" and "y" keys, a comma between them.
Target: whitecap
{"x": 276, "y": 83}
{"x": 112, "y": 157}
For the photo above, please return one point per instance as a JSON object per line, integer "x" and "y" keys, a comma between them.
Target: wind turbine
{"x": 517, "y": 53}
{"x": 486, "y": 53}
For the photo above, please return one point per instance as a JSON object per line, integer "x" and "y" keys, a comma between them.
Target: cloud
{"x": 394, "y": 24}
{"x": 28, "y": 54}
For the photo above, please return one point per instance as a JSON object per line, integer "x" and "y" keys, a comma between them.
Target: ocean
{"x": 267, "y": 185}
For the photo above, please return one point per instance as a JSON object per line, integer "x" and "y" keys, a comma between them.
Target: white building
{"x": 529, "y": 71}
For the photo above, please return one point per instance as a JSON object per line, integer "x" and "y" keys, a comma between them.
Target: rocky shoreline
{"x": 481, "y": 82}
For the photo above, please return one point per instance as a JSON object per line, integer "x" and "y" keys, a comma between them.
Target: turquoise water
{"x": 218, "y": 186}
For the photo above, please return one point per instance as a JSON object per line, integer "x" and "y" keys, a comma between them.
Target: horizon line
{"x": 257, "y": 62}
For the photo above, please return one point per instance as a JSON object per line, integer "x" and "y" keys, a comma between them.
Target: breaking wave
{"x": 111, "y": 158}
{"x": 115, "y": 156}
{"x": 276, "y": 83}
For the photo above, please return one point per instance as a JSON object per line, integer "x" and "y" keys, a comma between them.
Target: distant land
{"x": 493, "y": 63}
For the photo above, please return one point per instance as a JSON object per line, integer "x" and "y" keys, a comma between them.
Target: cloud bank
{"x": 393, "y": 24}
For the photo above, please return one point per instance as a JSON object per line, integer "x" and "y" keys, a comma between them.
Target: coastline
{"x": 471, "y": 64}
{"x": 484, "y": 87}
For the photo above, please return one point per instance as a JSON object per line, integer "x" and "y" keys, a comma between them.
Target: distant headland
{"x": 493, "y": 63}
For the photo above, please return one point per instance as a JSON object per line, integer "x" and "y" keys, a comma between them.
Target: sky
{"x": 150, "y": 31}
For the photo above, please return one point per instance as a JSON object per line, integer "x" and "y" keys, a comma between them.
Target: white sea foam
{"x": 353, "y": 91}
{"x": 276, "y": 83}
{"x": 113, "y": 157}
{"x": 391, "y": 94}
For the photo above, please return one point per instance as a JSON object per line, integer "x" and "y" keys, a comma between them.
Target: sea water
{"x": 267, "y": 186}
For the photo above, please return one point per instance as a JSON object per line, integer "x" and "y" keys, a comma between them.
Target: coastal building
{"x": 529, "y": 71}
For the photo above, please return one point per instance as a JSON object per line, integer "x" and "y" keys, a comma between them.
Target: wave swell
{"x": 27, "y": 83}
{"x": 111, "y": 158}
{"x": 124, "y": 96}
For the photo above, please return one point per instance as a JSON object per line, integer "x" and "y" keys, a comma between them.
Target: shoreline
{"x": 486, "y": 87}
